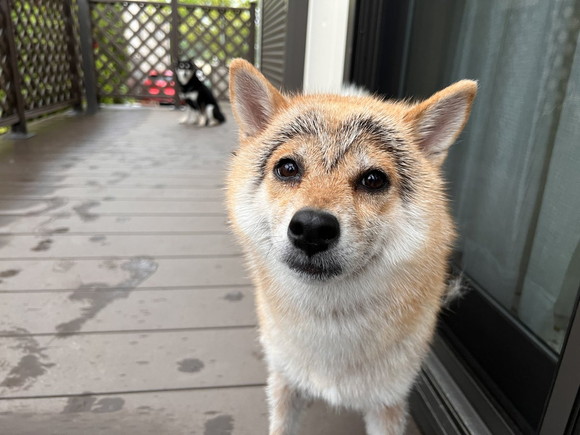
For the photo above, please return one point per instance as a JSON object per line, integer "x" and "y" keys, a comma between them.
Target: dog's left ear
{"x": 438, "y": 120}
{"x": 254, "y": 100}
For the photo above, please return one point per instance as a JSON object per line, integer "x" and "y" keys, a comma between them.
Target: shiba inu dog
{"x": 202, "y": 106}
{"x": 339, "y": 205}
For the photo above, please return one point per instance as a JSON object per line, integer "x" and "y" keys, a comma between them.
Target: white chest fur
{"x": 346, "y": 352}
{"x": 191, "y": 95}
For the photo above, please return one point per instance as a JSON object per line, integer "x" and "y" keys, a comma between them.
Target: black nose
{"x": 313, "y": 230}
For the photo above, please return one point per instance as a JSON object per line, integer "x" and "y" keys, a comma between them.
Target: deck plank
{"x": 120, "y": 179}
{"x": 36, "y": 366}
{"x": 106, "y": 245}
{"x": 70, "y": 223}
{"x": 232, "y": 411}
{"x": 227, "y": 411}
{"x": 50, "y": 312}
{"x": 101, "y": 192}
{"x": 126, "y": 273}
{"x": 90, "y": 209}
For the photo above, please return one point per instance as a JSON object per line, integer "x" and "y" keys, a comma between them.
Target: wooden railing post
{"x": 74, "y": 60}
{"x": 174, "y": 47}
{"x": 252, "y": 38}
{"x": 86, "y": 45}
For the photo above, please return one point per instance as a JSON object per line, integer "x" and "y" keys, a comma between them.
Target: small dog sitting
{"x": 340, "y": 207}
{"x": 201, "y": 106}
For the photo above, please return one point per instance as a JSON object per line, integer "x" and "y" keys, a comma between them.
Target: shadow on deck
{"x": 124, "y": 306}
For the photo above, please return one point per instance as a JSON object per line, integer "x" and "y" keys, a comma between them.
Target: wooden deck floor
{"x": 124, "y": 305}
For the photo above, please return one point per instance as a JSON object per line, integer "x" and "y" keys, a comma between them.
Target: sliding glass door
{"x": 515, "y": 176}
{"x": 514, "y": 181}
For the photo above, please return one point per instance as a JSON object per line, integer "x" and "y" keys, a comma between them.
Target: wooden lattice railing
{"x": 8, "y": 114}
{"x": 39, "y": 62}
{"x": 137, "y": 45}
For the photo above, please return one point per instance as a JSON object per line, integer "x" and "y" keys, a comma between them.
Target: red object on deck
{"x": 160, "y": 86}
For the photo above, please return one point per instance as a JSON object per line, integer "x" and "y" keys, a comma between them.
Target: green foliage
{"x": 39, "y": 33}
{"x": 214, "y": 36}
{"x": 3, "y": 98}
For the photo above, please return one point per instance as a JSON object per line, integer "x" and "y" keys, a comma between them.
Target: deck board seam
{"x": 111, "y": 187}
{"x": 150, "y": 214}
{"x": 137, "y": 289}
{"x": 146, "y": 391}
{"x": 116, "y": 233}
{"x": 121, "y": 257}
{"x": 56, "y": 334}
{"x": 105, "y": 199}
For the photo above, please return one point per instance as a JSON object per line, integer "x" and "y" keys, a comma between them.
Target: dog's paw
{"x": 183, "y": 120}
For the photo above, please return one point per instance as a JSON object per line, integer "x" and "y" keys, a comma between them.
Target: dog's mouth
{"x": 313, "y": 269}
{"x": 184, "y": 75}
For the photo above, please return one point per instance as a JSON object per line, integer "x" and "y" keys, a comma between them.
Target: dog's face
{"x": 325, "y": 187}
{"x": 186, "y": 70}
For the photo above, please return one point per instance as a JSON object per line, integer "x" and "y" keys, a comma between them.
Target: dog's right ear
{"x": 438, "y": 120}
{"x": 254, "y": 100}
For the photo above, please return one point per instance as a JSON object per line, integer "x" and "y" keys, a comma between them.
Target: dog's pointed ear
{"x": 438, "y": 120}
{"x": 254, "y": 100}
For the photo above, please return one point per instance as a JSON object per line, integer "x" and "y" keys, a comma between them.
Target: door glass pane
{"x": 553, "y": 273}
{"x": 515, "y": 174}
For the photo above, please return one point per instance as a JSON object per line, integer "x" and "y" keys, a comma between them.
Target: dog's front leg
{"x": 194, "y": 117}
{"x": 202, "y": 120}
{"x": 285, "y": 405}
{"x": 387, "y": 420}
{"x": 185, "y": 117}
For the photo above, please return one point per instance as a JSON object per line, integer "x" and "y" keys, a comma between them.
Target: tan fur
{"x": 357, "y": 339}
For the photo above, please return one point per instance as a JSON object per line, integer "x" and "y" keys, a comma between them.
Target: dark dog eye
{"x": 287, "y": 169}
{"x": 374, "y": 180}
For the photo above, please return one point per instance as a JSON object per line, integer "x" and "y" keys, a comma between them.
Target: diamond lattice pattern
{"x": 212, "y": 38}
{"x": 41, "y": 40}
{"x": 133, "y": 46}
{"x": 7, "y": 102}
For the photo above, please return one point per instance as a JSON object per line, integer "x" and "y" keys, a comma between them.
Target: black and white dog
{"x": 202, "y": 106}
